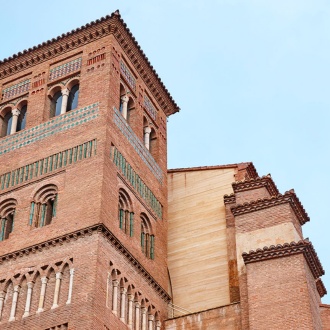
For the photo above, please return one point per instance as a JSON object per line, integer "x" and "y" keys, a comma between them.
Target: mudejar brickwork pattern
{"x": 97, "y": 233}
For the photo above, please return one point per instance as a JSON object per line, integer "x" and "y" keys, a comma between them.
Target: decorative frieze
{"x": 127, "y": 75}
{"x": 17, "y": 89}
{"x": 260, "y": 204}
{"x": 265, "y": 181}
{"x": 135, "y": 180}
{"x": 279, "y": 251}
{"x": 48, "y": 164}
{"x": 65, "y": 69}
{"x": 149, "y": 107}
{"x": 137, "y": 144}
{"x": 229, "y": 199}
{"x": 56, "y": 125}
{"x": 100, "y": 229}
{"x": 96, "y": 59}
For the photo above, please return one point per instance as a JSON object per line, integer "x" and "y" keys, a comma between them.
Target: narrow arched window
{"x": 147, "y": 238}
{"x": 7, "y": 215}
{"x": 56, "y": 104}
{"x": 43, "y": 206}
{"x": 21, "y": 123}
{"x": 73, "y": 98}
{"x": 8, "y": 120}
{"x": 125, "y": 213}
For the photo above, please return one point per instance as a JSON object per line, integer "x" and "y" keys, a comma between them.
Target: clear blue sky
{"x": 251, "y": 78}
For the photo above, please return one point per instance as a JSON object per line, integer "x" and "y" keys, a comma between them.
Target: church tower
{"x": 83, "y": 184}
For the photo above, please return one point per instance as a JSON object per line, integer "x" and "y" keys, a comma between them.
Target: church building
{"x": 97, "y": 233}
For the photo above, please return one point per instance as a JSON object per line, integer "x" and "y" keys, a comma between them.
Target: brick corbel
{"x": 260, "y": 204}
{"x": 255, "y": 183}
{"x": 279, "y": 251}
{"x": 320, "y": 287}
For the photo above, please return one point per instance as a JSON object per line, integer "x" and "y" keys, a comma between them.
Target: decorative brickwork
{"x": 137, "y": 144}
{"x": 96, "y": 59}
{"x": 286, "y": 250}
{"x": 48, "y": 165}
{"x": 149, "y": 107}
{"x": 265, "y": 181}
{"x": 128, "y": 75}
{"x": 289, "y": 197}
{"x": 63, "y": 326}
{"x": 65, "y": 69}
{"x": 53, "y": 126}
{"x": 81, "y": 233}
{"x": 16, "y": 89}
{"x": 321, "y": 288}
{"x": 229, "y": 199}
{"x": 135, "y": 180}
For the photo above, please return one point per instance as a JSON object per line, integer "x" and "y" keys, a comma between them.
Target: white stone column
{"x": 137, "y": 316}
{"x": 14, "y": 303}
{"x": 130, "y": 310}
{"x": 147, "y": 131}
{"x": 65, "y": 96}
{"x": 144, "y": 318}
{"x": 115, "y": 296}
{"x": 124, "y": 103}
{"x": 2, "y": 298}
{"x": 70, "y": 286}
{"x": 15, "y": 113}
{"x": 122, "y": 304}
{"x": 57, "y": 289}
{"x": 28, "y": 299}
{"x": 158, "y": 325}
{"x": 150, "y": 322}
{"x": 44, "y": 281}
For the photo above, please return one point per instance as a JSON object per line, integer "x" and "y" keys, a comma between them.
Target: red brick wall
{"x": 279, "y": 295}
{"x": 325, "y": 316}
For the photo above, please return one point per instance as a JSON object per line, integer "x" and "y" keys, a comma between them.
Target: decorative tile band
{"x": 128, "y": 75}
{"x": 55, "y": 125}
{"x": 136, "y": 181}
{"x": 16, "y": 89}
{"x": 48, "y": 165}
{"x": 142, "y": 151}
{"x": 65, "y": 69}
{"x": 149, "y": 107}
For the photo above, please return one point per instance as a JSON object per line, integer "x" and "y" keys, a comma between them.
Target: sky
{"x": 251, "y": 78}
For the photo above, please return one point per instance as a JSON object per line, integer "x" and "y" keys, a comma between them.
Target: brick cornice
{"x": 260, "y": 204}
{"x": 81, "y": 233}
{"x": 265, "y": 181}
{"x": 279, "y": 251}
{"x": 90, "y": 32}
{"x": 320, "y": 287}
{"x": 229, "y": 199}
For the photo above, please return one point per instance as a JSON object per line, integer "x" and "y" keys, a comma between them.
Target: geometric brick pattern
{"x": 149, "y": 107}
{"x": 139, "y": 147}
{"x": 53, "y": 126}
{"x": 136, "y": 182}
{"x": 48, "y": 164}
{"x": 65, "y": 69}
{"x": 127, "y": 75}
{"x": 16, "y": 89}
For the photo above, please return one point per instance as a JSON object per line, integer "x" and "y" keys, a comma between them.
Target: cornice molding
{"x": 229, "y": 199}
{"x": 81, "y": 233}
{"x": 265, "y": 181}
{"x": 279, "y": 251}
{"x": 260, "y": 204}
{"x": 90, "y": 32}
{"x": 320, "y": 287}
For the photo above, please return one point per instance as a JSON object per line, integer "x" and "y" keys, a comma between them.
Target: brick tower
{"x": 83, "y": 184}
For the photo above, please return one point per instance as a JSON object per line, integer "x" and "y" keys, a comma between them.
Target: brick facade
{"x": 84, "y": 202}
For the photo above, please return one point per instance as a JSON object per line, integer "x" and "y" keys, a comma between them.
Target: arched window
{"x": 7, "y": 122}
{"x": 147, "y": 238}
{"x": 125, "y": 213}
{"x": 43, "y": 206}
{"x": 21, "y": 123}
{"x": 73, "y": 98}
{"x": 56, "y": 104}
{"x": 7, "y": 215}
